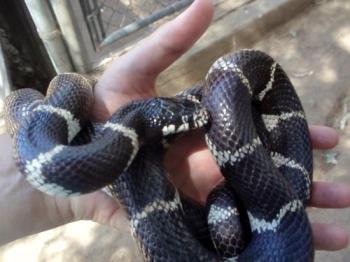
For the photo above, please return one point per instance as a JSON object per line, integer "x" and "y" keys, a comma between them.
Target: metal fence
{"x": 112, "y": 20}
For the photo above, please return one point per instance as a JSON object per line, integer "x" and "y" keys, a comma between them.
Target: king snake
{"x": 254, "y": 126}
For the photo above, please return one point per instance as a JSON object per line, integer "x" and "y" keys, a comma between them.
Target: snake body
{"x": 254, "y": 126}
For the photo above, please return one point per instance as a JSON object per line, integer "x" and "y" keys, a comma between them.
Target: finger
{"x": 97, "y": 206}
{"x": 323, "y": 137}
{"x": 172, "y": 40}
{"x": 330, "y": 195}
{"x": 133, "y": 75}
{"x": 329, "y": 237}
{"x": 163, "y": 47}
{"x": 194, "y": 172}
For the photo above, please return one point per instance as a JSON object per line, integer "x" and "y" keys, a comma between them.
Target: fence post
{"x": 50, "y": 34}
{"x": 5, "y": 87}
{"x": 5, "y": 84}
{"x": 76, "y": 48}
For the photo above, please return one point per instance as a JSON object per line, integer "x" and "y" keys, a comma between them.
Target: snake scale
{"x": 255, "y": 128}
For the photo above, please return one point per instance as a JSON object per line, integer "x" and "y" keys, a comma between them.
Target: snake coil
{"x": 254, "y": 126}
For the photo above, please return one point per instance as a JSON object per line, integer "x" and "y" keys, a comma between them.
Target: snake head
{"x": 162, "y": 117}
{"x": 168, "y": 116}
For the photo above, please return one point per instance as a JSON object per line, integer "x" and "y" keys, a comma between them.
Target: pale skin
{"x": 25, "y": 211}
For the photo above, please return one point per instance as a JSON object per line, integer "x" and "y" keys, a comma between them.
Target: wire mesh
{"x": 111, "y": 20}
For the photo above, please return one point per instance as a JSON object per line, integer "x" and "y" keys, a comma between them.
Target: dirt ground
{"x": 314, "y": 49}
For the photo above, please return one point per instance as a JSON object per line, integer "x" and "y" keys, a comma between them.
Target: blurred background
{"x": 309, "y": 38}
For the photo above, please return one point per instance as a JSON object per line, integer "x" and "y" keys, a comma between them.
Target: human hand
{"x": 133, "y": 77}
{"x": 194, "y": 172}
{"x": 25, "y": 210}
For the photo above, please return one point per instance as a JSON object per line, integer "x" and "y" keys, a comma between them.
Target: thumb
{"x": 133, "y": 75}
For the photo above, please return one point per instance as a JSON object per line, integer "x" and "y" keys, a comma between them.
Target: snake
{"x": 254, "y": 126}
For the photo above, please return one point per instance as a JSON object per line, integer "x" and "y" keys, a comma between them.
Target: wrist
{"x": 24, "y": 210}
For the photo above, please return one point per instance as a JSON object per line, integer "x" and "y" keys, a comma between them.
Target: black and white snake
{"x": 255, "y": 128}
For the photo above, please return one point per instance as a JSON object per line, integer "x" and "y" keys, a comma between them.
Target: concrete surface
{"x": 314, "y": 48}
{"x": 235, "y": 26}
